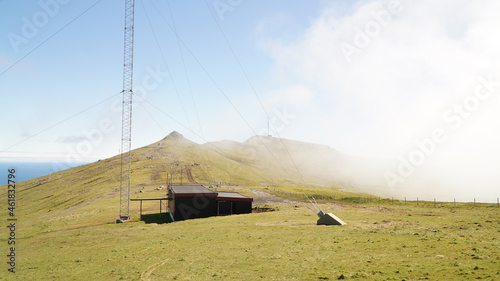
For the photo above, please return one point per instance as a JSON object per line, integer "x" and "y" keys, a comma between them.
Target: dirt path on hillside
{"x": 188, "y": 173}
{"x": 145, "y": 274}
{"x": 261, "y": 197}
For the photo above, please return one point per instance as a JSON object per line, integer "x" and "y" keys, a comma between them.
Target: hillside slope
{"x": 257, "y": 161}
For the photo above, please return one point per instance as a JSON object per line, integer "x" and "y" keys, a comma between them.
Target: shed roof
{"x": 191, "y": 190}
{"x": 233, "y": 196}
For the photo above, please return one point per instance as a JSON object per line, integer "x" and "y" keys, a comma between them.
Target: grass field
{"x": 66, "y": 230}
{"x": 380, "y": 242}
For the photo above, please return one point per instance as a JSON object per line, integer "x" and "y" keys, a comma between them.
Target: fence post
{"x": 454, "y": 202}
{"x": 434, "y": 202}
{"x": 474, "y": 202}
{"x": 417, "y": 201}
{"x": 405, "y": 200}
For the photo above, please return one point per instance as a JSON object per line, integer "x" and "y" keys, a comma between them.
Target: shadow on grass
{"x": 156, "y": 218}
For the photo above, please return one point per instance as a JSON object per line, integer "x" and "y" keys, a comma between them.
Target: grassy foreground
{"x": 379, "y": 242}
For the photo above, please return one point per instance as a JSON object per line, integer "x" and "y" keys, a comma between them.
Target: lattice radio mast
{"x": 128, "y": 65}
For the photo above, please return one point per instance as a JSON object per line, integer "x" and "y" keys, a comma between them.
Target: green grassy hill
{"x": 226, "y": 162}
{"x": 258, "y": 161}
{"x": 231, "y": 163}
{"x": 65, "y": 226}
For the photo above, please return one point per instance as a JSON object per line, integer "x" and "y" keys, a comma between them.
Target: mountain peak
{"x": 174, "y": 135}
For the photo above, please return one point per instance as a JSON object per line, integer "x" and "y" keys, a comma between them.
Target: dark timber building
{"x": 197, "y": 201}
{"x": 230, "y": 203}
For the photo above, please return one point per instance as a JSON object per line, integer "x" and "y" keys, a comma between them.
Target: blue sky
{"x": 370, "y": 78}
{"x": 55, "y": 67}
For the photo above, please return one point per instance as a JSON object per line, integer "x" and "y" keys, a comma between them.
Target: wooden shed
{"x": 231, "y": 203}
{"x": 197, "y": 201}
{"x": 191, "y": 202}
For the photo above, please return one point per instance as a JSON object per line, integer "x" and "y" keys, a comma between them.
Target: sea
{"x": 29, "y": 170}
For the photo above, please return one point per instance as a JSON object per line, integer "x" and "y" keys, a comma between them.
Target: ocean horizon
{"x": 30, "y": 170}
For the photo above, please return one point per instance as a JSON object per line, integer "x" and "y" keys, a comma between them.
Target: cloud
{"x": 405, "y": 77}
{"x": 409, "y": 66}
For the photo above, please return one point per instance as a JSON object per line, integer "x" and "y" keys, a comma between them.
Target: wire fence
{"x": 323, "y": 197}
{"x": 380, "y": 200}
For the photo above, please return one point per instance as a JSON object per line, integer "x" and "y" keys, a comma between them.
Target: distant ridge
{"x": 270, "y": 160}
